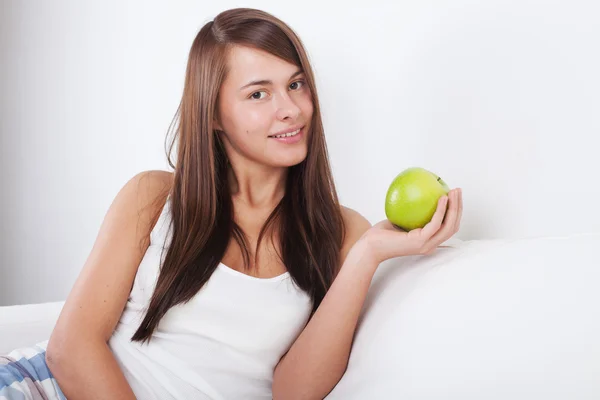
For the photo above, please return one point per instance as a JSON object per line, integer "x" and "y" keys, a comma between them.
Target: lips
{"x": 287, "y": 133}
{"x": 294, "y": 137}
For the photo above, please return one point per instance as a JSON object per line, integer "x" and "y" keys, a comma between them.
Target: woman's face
{"x": 264, "y": 96}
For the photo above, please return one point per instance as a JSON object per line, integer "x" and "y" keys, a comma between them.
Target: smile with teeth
{"x": 289, "y": 134}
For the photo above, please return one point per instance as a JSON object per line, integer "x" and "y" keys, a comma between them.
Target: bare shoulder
{"x": 143, "y": 195}
{"x": 355, "y": 221}
{"x": 156, "y": 178}
{"x": 355, "y": 226}
{"x": 152, "y": 188}
{"x": 95, "y": 303}
{"x": 151, "y": 183}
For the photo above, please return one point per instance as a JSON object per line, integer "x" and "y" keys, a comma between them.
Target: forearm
{"x": 89, "y": 372}
{"x": 318, "y": 358}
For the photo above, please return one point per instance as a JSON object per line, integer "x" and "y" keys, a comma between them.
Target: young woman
{"x": 238, "y": 276}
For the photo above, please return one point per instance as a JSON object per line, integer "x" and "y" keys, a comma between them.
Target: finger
{"x": 436, "y": 221}
{"x": 447, "y": 228}
{"x": 387, "y": 225}
{"x": 383, "y": 224}
{"x": 460, "y": 211}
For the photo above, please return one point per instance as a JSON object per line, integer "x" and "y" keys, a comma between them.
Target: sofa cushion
{"x": 498, "y": 319}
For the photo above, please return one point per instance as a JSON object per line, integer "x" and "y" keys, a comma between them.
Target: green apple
{"x": 412, "y": 198}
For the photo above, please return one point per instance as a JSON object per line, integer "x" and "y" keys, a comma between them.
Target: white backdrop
{"x": 499, "y": 97}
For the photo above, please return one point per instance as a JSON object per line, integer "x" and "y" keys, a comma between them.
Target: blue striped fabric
{"x": 24, "y": 375}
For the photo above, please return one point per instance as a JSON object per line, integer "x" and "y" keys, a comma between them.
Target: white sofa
{"x": 25, "y": 325}
{"x": 482, "y": 319}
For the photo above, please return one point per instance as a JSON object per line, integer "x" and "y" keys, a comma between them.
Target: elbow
{"x": 54, "y": 360}
{"x": 64, "y": 350}
{"x": 51, "y": 360}
{"x": 55, "y": 355}
{"x": 52, "y": 351}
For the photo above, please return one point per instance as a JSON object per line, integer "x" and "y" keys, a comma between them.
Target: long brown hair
{"x": 309, "y": 219}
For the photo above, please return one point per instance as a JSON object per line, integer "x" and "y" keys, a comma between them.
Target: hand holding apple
{"x": 422, "y": 213}
{"x": 385, "y": 240}
{"x": 412, "y": 198}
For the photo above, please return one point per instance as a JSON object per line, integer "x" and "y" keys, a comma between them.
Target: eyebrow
{"x": 268, "y": 82}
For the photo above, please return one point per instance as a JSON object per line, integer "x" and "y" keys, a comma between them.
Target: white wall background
{"x": 501, "y": 98}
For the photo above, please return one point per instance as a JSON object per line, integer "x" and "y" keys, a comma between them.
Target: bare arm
{"x": 318, "y": 358}
{"x": 78, "y": 354}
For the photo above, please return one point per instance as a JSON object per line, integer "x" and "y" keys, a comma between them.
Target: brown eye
{"x": 257, "y": 95}
{"x": 296, "y": 85}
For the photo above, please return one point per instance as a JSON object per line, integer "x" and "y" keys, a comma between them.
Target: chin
{"x": 290, "y": 163}
{"x": 290, "y": 160}
{"x": 288, "y": 157}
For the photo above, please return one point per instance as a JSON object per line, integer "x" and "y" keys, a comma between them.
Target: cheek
{"x": 250, "y": 119}
{"x": 306, "y": 105}
{"x": 246, "y": 126}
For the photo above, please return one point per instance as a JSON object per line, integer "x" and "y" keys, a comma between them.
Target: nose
{"x": 286, "y": 108}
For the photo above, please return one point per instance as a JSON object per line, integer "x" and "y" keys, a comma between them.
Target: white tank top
{"x": 223, "y": 344}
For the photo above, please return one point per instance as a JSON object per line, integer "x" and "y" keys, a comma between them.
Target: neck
{"x": 257, "y": 187}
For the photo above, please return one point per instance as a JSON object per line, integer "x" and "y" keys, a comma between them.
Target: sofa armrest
{"x": 26, "y": 325}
